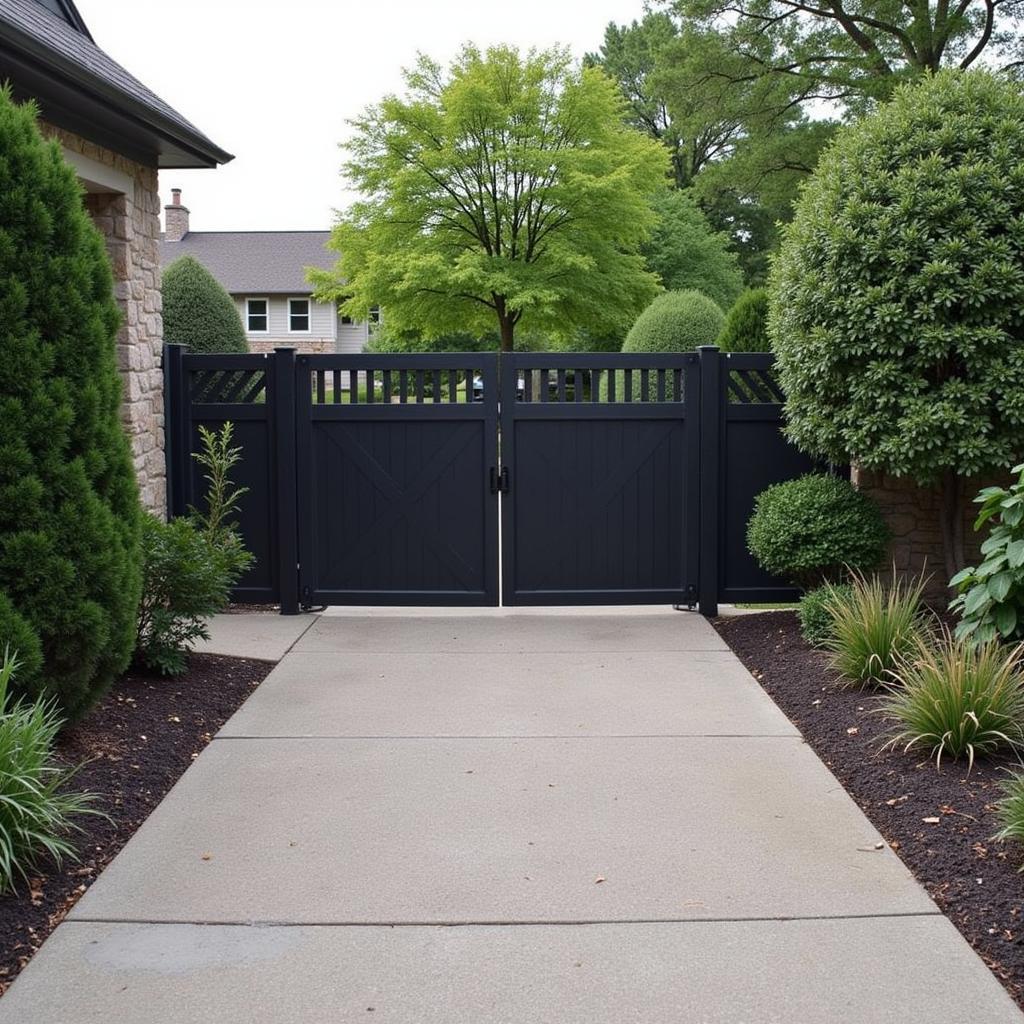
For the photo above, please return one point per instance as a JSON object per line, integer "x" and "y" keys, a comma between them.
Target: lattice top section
{"x": 749, "y": 387}
{"x": 619, "y": 384}
{"x": 245, "y": 387}
{"x": 396, "y": 386}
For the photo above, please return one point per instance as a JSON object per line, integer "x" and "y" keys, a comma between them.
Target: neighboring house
{"x": 265, "y": 273}
{"x": 117, "y": 134}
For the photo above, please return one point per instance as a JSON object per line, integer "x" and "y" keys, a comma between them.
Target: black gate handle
{"x": 499, "y": 481}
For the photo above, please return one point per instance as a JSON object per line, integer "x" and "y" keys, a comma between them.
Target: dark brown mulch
{"x": 974, "y": 880}
{"x": 136, "y": 743}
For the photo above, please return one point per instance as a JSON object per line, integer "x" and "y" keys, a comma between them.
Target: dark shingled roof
{"x": 35, "y": 40}
{"x": 249, "y": 262}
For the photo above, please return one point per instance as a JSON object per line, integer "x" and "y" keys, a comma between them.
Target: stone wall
{"x": 129, "y": 221}
{"x": 912, "y": 513}
{"x": 304, "y": 346}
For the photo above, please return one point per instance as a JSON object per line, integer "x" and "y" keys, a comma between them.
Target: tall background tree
{"x": 70, "y": 572}
{"x": 506, "y": 192}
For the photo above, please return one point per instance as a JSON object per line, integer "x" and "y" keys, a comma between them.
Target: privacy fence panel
{"x": 209, "y": 391}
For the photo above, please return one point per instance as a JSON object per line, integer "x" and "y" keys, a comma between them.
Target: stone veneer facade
{"x": 129, "y": 221}
{"x": 912, "y": 514}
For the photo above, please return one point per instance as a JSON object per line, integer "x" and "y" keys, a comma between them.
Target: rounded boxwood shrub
{"x": 673, "y": 322}
{"x": 69, "y": 506}
{"x": 816, "y": 619}
{"x": 198, "y": 312}
{"x": 746, "y": 324}
{"x": 814, "y": 528}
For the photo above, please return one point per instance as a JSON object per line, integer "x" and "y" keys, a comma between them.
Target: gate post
{"x": 176, "y": 429}
{"x": 710, "y": 484}
{"x": 283, "y": 423}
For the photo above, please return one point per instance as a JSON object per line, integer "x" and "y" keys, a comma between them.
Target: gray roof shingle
{"x": 250, "y": 262}
{"x": 31, "y": 28}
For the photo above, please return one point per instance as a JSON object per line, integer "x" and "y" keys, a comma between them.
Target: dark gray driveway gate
{"x": 599, "y": 461}
{"x": 394, "y": 467}
{"x": 377, "y": 479}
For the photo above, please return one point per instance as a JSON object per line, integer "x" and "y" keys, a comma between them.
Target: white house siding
{"x": 352, "y": 338}
{"x": 322, "y": 334}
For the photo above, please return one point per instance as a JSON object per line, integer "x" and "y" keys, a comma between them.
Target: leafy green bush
{"x": 896, "y": 297}
{"x": 957, "y": 698}
{"x": 990, "y": 599}
{"x": 1010, "y": 809}
{"x": 17, "y": 635}
{"x": 673, "y": 322}
{"x": 814, "y": 528}
{"x": 198, "y": 312}
{"x": 746, "y": 324}
{"x": 69, "y": 505}
{"x": 191, "y": 564}
{"x": 815, "y": 613}
{"x": 688, "y": 254}
{"x": 874, "y": 627}
{"x": 36, "y": 814}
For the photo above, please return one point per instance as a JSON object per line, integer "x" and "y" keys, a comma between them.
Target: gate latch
{"x": 499, "y": 480}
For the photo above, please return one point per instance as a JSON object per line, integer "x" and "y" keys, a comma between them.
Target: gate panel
{"x": 596, "y": 449}
{"x": 395, "y": 498}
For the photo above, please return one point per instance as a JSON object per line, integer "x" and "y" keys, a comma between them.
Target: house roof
{"x": 251, "y": 262}
{"x": 51, "y": 58}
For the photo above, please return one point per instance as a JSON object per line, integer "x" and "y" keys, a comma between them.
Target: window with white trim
{"x": 298, "y": 316}
{"x": 257, "y": 317}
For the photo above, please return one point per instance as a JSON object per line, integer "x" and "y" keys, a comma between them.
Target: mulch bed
{"x": 135, "y": 743}
{"x": 974, "y": 880}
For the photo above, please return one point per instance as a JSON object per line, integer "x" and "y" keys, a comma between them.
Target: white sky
{"x": 274, "y": 82}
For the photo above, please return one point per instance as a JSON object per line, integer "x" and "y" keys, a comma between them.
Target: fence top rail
{"x": 749, "y": 360}
{"x": 394, "y": 363}
{"x": 225, "y": 361}
{"x": 600, "y": 360}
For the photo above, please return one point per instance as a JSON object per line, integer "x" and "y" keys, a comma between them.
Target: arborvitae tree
{"x": 69, "y": 506}
{"x": 746, "y": 324}
{"x": 198, "y": 312}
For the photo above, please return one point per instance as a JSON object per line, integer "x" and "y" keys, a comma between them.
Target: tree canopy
{"x": 857, "y": 51}
{"x": 896, "y": 298}
{"x": 687, "y": 254}
{"x": 507, "y": 191}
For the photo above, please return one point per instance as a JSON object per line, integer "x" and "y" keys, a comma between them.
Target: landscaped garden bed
{"x": 939, "y": 822}
{"x": 135, "y": 744}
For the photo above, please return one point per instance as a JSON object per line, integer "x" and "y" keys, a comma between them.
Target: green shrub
{"x": 814, "y": 528}
{"x": 746, "y": 324}
{"x": 1010, "y": 809}
{"x": 815, "y": 613}
{"x": 673, "y": 322}
{"x": 69, "y": 504}
{"x": 688, "y": 254}
{"x": 875, "y": 627}
{"x": 17, "y": 635}
{"x": 990, "y": 599}
{"x": 957, "y": 698}
{"x": 198, "y": 312}
{"x": 36, "y": 814}
{"x": 191, "y": 563}
{"x": 896, "y": 296}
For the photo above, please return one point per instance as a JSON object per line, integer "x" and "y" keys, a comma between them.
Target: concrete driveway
{"x": 537, "y": 818}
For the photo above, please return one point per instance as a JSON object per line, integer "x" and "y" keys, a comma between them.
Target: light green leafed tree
{"x": 504, "y": 193}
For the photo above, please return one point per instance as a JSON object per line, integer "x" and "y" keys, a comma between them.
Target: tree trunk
{"x": 952, "y": 518}
{"x": 507, "y": 335}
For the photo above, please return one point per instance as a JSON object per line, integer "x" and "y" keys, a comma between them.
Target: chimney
{"x": 175, "y": 218}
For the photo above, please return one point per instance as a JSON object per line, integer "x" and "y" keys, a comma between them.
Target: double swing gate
{"x": 478, "y": 479}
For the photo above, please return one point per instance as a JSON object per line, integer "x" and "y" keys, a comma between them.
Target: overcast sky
{"x": 274, "y": 82}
